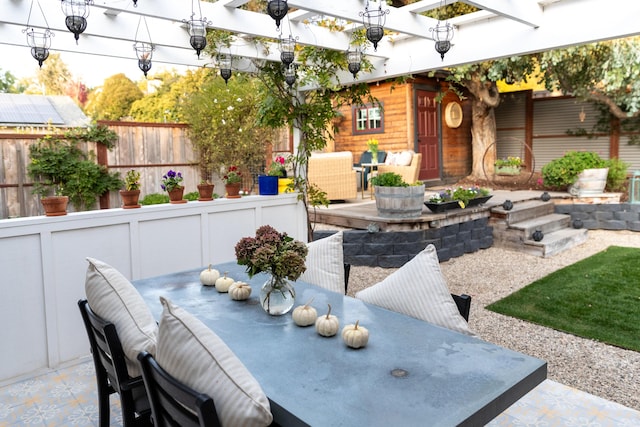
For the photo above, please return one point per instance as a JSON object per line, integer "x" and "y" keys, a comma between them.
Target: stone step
{"x": 523, "y": 211}
{"x": 546, "y": 224}
{"x": 555, "y": 242}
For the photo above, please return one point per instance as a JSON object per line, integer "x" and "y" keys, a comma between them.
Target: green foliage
{"x": 617, "y": 175}
{"x": 132, "y": 180}
{"x": 59, "y": 166}
{"x": 114, "y": 100}
{"x": 94, "y": 133}
{"x": 388, "y": 179}
{"x": 589, "y": 299}
{"x": 54, "y": 77}
{"x": 563, "y": 171}
{"x": 7, "y": 82}
{"x": 192, "y": 196}
{"x": 155, "y": 199}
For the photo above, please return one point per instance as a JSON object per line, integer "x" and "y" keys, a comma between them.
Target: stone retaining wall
{"x": 394, "y": 248}
{"x": 614, "y": 216}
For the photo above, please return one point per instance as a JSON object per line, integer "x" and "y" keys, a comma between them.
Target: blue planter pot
{"x": 268, "y": 185}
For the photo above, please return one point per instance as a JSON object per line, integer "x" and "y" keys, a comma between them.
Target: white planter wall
{"x": 43, "y": 264}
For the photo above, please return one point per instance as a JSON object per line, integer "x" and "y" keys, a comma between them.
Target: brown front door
{"x": 427, "y": 120}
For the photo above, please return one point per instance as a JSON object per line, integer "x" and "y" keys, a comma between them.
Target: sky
{"x": 91, "y": 70}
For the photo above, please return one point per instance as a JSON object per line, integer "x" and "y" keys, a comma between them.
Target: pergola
{"x": 501, "y": 28}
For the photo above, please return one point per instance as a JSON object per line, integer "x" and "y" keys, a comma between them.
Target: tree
{"x": 113, "y": 101}
{"x": 52, "y": 78}
{"x": 7, "y": 82}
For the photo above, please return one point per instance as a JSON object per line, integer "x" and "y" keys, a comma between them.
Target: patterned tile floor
{"x": 67, "y": 397}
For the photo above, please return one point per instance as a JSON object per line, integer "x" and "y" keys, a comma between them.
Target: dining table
{"x": 410, "y": 373}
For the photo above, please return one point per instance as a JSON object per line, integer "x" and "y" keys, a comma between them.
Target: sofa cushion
{"x": 112, "y": 297}
{"x": 404, "y": 158}
{"x": 418, "y": 289}
{"x": 325, "y": 263}
{"x": 195, "y": 355}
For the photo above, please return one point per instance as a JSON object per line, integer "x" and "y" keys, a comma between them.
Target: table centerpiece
{"x": 278, "y": 255}
{"x": 459, "y": 197}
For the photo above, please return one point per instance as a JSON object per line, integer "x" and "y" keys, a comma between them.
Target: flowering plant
{"x": 509, "y": 161}
{"x": 272, "y": 252}
{"x": 277, "y": 167}
{"x": 132, "y": 180}
{"x": 171, "y": 180}
{"x": 373, "y": 145}
{"x": 233, "y": 175}
{"x": 461, "y": 195}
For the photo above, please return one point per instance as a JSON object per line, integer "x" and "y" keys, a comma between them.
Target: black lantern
{"x": 354, "y": 58}
{"x": 545, "y": 197}
{"x": 290, "y": 75}
{"x": 277, "y": 9}
{"x": 442, "y": 34}
{"x": 224, "y": 62}
{"x": 198, "y": 34}
{"x": 40, "y": 42}
{"x": 76, "y": 12}
{"x": 373, "y": 21}
{"x": 507, "y": 205}
{"x": 287, "y": 50}
{"x": 144, "y": 52}
{"x": 537, "y": 235}
{"x": 135, "y": 3}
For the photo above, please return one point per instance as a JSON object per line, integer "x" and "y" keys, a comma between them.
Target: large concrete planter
{"x": 590, "y": 182}
{"x": 399, "y": 202}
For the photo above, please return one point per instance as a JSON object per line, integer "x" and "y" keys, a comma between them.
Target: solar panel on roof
{"x": 28, "y": 110}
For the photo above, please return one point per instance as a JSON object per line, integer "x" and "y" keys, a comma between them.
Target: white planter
{"x": 590, "y": 182}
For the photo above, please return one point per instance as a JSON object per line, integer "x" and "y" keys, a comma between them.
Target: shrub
{"x": 562, "y": 172}
{"x": 155, "y": 199}
{"x": 194, "y": 195}
{"x": 617, "y": 174}
{"x": 388, "y": 179}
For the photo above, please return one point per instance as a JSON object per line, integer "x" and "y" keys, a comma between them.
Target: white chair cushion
{"x": 391, "y": 159}
{"x": 418, "y": 289}
{"x": 325, "y": 263}
{"x": 194, "y": 355}
{"x": 112, "y": 297}
{"x": 404, "y": 158}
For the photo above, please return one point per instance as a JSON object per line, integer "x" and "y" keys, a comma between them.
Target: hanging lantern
{"x": 373, "y": 21}
{"x": 144, "y": 52}
{"x": 277, "y": 9}
{"x": 76, "y": 12}
{"x": 224, "y": 62}
{"x": 198, "y": 34}
{"x": 287, "y": 50}
{"x": 290, "y": 75}
{"x": 354, "y": 58}
{"x": 442, "y": 34}
{"x": 40, "y": 42}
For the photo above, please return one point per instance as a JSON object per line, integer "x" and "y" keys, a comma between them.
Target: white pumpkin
{"x": 304, "y": 315}
{"x": 223, "y": 283}
{"x": 355, "y": 336}
{"x": 239, "y": 291}
{"x": 328, "y": 324}
{"x": 209, "y": 276}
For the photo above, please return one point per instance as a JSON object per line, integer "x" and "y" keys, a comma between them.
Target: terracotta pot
{"x": 175, "y": 195}
{"x": 206, "y": 192}
{"x": 233, "y": 190}
{"x": 130, "y": 199}
{"x": 55, "y": 205}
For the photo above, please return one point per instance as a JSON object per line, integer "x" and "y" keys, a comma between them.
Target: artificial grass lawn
{"x": 597, "y": 298}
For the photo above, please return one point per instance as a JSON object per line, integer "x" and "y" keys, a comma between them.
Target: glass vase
{"x": 277, "y": 296}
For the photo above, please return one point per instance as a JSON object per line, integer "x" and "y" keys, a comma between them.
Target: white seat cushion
{"x": 404, "y": 158}
{"x": 112, "y": 297}
{"x": 418, "y": 289}
{"x": 325, "y": 263}
{"x": 194, "y": 355}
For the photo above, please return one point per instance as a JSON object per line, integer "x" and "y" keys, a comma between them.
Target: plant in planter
{"x": 372, "y": 146}
{"x": 459, "y": 197}
{"x": 131, "y": 193}
{"x": 395, "y": 198}
{"x": 268, "y": 184}
{"x": 172, "y": 184}
{"x": 508, "y": 166}
{"x": 205, "y": 191}
{"x": 232, "y": 182}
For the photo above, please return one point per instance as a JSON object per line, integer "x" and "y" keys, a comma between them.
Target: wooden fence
{"x": 150, "y": 148}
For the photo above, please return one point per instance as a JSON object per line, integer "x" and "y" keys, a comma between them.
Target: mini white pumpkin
{"x": 327, "y": 325}
{"x": 239, "y": 291}
{"x": 209, "y": 276}
{"x": 304, "y": 315}
{"x": 223, "y": 283}
{"x": 355, "y": 336}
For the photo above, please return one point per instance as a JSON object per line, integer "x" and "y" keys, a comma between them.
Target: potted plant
{"x": 131, "y": 193}
{"x": 580, "y": 172}
{"x": 395, "y": 198}
{"x": 232, "y": 181}
{"x": 172, "y": 184}
{"x": 372, "y": 146}
{"x": 459, "y": 197}
{"x": 508, "y": 166}
{"x": 205, "y": 191}
{"x": 268, "y": 184}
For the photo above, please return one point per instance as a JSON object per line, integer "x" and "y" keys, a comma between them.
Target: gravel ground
{"x": 603, "y": 370}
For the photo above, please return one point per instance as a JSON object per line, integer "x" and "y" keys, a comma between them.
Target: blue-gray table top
{"x": 411, "y": 373}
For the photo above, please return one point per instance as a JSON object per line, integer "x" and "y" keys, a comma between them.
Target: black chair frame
{"x": 172, "y": 402}
{"x": 111, "y": 372}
